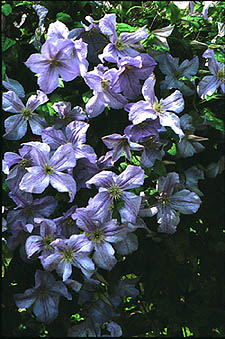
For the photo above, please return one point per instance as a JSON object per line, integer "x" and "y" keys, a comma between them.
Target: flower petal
{"x": 63, "y": 182}
{"x": 15, "y": 126}
{"x": 104, "y": 256}
{"x": 185, "y": 202}
{"x": 132, "y": 177}
{"x": 35, "y": 181}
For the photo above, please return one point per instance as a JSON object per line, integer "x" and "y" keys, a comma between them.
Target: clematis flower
{"x": 46, "y": 170}
{"x": 28, "y": 208}
{"x": 120, "y": 144}
{"x": 210, "y": 83}
{"x": 65, "y": 225}
{"x": 190, "y": 144}
{"x": 16, "y": 125}
{"x": 170, "y": 200}
{"x": 153, "y": 149}
{"x": 127, "y": 44}
{"x": 61, "y": 57}
{"x": 142, "y": 130}
{"x": 100, "y": 235}
{"x": 66, "y": 114}
{"x": 105, "y": 90}
{"x": 75, "y": 134}
{"x": 131, "y": 71}
{"x": 70, "y": 252}
{"x": 14, "y": 85}
{"x": 39, "y": 31}
{"x": 43, "y": 297}
{"x": 113, "y": 187}
{"x": 83, "y": 171}
{"x": 169, "y": 66}
{"x": 19, "y": 162}
{"x": 161, "y": 34}
{"x": 163, "y": 109}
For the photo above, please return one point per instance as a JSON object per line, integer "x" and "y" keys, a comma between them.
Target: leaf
{"x": 6, "y": 9}
{"x": 121, "y": 27}
{"x": 159, "y": 168}
{"x": 212, "y": 120}
{"x": 3, "y": 69}
{"x": 86, "y": 96}
{"x": 7, "y": 43}
{"x": 61, "y": 83}
{"x": 172, "y": 150}
{"x": 64, "y": 17}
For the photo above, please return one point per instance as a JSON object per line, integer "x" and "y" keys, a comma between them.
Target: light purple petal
{"x": 107, "y": 26}
{"x": 168, "y": 220}
{"x": 185, "y": 202}
{"x": 167, "y": 184}
{"x": 38, "y": 63}
{"x": 57, "y": 30}
{"x": 48, "y": 81}
{"x": 131, "y": 207}
{"x": 132, "y": 177}
{"x": 141, "y": 111}
{"x": 15, "y": 86}
{"x": 35, "y": 181}
{"x": 96, "y": 105}
{"x": 39, "y": 152}
{"x": 37, "y": 124}
{"x": 104, "y": 255}
{"x": 16, "y": 127}
{"x": 33, "y": 245}
{"x": 86, "y": 265}
{"x": 172, "y": 120}
{"x": 100, "y": 204}
{"x": 133, "y": 38}
{"x": 26, "y": 299}
{"x": 174, "y": 102}
{"x": 148, "y": 89}
{"x": 46, "y": 308}
{"x": 102, "y": 179}
{"x": 54, "y": 138}
{"x": 208, "y": 85}
{"x": 63, "y": 158}
{"x": 127, "y": 245}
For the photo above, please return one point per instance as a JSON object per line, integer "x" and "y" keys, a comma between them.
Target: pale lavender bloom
{"x": 75, "y": 134}
{"x": 70, "y": 252}
{"x": 142, "y": 130}
{"x": 120, "y": 144}
{"x": 66, "y": 226}
{"x": 190, "y": 144}
{"x": 19, "y": 163}
{"x": 163, "y": 109}
{"x": 114, "y": 329}
{"x": 41, "y": 13}
{"x": 27, "y": 208}
{"x": 113, "y": 187}
{"x": 83, "y": 171}
{"x": 18, "y": 231}
{"x": 210, "y": 83}
{"x": 61, "y": 57}
{"x": 161, "y": 34}
{"x": 105, "y": 89}
{"x": 127, "y": 44}
{"x": 131, "y": 71}
{"x": 46, "y": 170}
{"x": 16, "y": 125}
{"x": 44, "y": 296}
{"x": 105, "y": 161}
{"x": 170, "y": 200}
{"x": 173, "y": 71}
{"x": 14, "y": 85}
{"x": 100, "y": 234}
{"x": 66, "y": 114}
{"x": 41, "y": 243}
{"x": 184, "y": 5}
{"x": 153, "y": 150}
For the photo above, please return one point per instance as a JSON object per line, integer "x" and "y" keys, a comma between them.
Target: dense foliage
{"x": 113, "y": 160}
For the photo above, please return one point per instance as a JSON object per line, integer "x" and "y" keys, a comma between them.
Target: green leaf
{"x": 159, "y": 168}
{"x": 121, "y": 27}
{"x": 61, "y": 83}
{"x": 7, "y": 43}
{"x": 86, "y": 96}
{"x": 212, "y": 120}
{"x": 219, "y": 56}
{"x": 172, "y": 150}
{"x": 6, "y": 9}
{"x": 64, "y": 17}
{"x": 3, "y": 69}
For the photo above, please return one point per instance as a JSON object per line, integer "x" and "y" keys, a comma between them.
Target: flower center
{"x": 115, "y": 192}
{"x": 128, "y": 67}
{"x": 24, "y": 163}
{"x": 47, "y": 241}
{"x": 105, "y": 84}
{"x": 177, "y": 74}
{"x": 68, "y": 254}
{"x": 28, "y": 211}
{"x": 163, "y": 199}
{"x": 221, "y": 74}
{"x": 97, "y": 236}
{"x": 119, "y": 44}
{"x": 54, "y": 62}
{"x": 48, "y": 169}
{"x": 158, "y": 107}
{"x": 27, "y": 113}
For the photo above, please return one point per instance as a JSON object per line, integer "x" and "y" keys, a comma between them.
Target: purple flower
{"x": 19, "y": 163}
{"x": 84, "y": 171}
{"x": 209, "y": 84}
{"x": 44, "y": 296}
{"x": 61, "y": 57}
{"x": 70, "y": 252}
{"x": 16, "y": 125}
{"x": 66, "y": 114}
{"x": 170, "y": 200}
{"x": 113, "y": 187}
{"x": 163, "y": 109}
{"x": 66, "y": 226}
{"x": 153, "y": 149}
{"x": 75, "y": 134}
{"x": 105, "y": 90}
{"x": 190, "y": 144}
{"x": 41, "y": 12}
{"x": 127, "y": 44}
{"x": 46, "y": 170}
{"x": 41, "y": 243}
{"x": 169, "y": 66}
{"x": 120, "y": 144}
{"x": 131, "y": 71}
{"x": 27, "y": 209}
{"x": 14, "y": 85}
{"x": 146, "y": 128}
{"x": 161, "y": 34}
{"x": 100, "y": 235}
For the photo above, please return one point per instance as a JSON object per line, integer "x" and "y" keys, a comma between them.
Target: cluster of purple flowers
{"x": 90, "y": 238}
